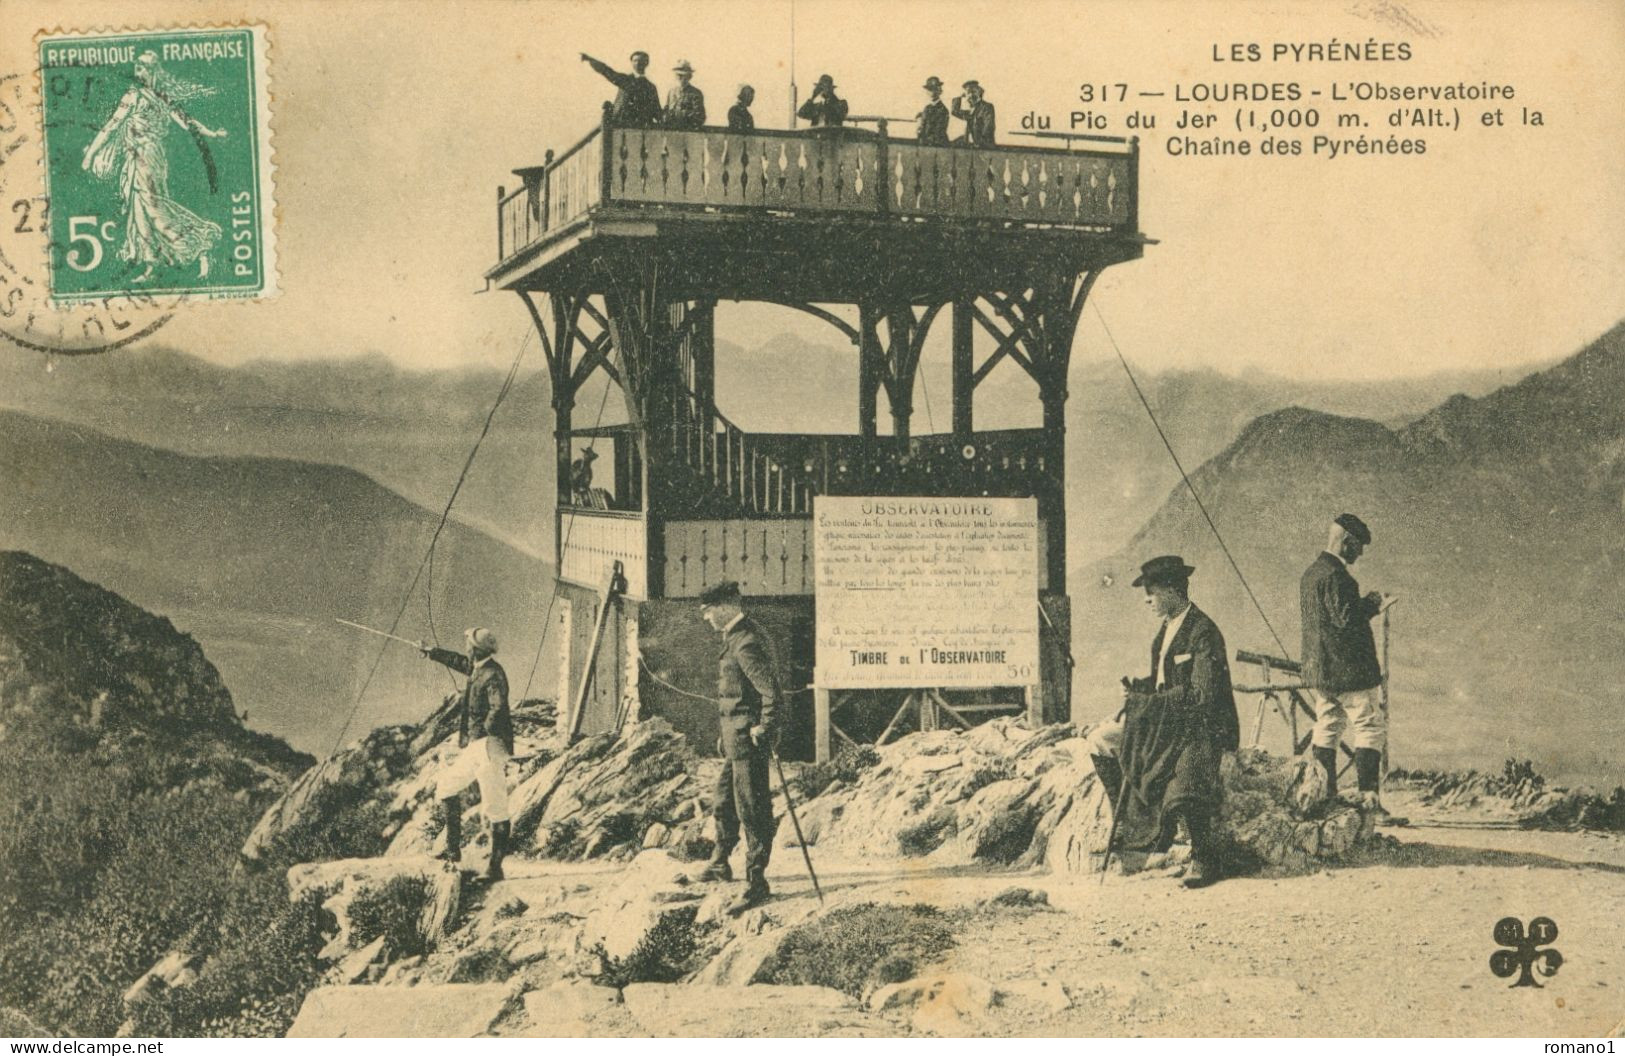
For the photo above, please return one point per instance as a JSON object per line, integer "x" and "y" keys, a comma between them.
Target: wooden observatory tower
{"x": 621, "y": 248}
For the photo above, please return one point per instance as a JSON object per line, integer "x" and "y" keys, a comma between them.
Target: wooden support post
{"x": 870, "y": 366}
{"x": 502, "y": 249}
{"x": 702, "y": 347}
{"x": 897, "y": 717}
{"x": 820, "y": 725}
{"x": 1258, "y": 726}
{"x": 544, "y": 199}
{"x": 613, "y": 588}
{"x": 964, "y": 371}
{"x": 1387, "y": 729}
{"x": 1035, "y": 705}
{"x": 900, "y": 326}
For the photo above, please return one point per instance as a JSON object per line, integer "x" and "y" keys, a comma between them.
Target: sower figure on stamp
{"x": 637, "y": 100}
{"x": 485, "y": 742}
{"x": 131, "y": 148}
{"x": 748, "y": 698}
{"x": 1176, "y": 725}
{"x": 1340, "y": 662}
{"x": 685, "y": 104}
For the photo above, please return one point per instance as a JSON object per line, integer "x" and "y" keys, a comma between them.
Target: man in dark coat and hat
{"x": 1340, "y": 664}
{"x": 748, "y": 699}
{"x": 981, "y": 126}
{"x": 823, "y": 108}
{"x": 932, "y": 123}
{"x": 1177, "y": 723}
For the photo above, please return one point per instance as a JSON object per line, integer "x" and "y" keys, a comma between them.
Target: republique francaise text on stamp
{"x": 158, "y": 163}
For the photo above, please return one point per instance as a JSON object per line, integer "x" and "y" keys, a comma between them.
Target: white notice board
{"x": 925, "y": 592}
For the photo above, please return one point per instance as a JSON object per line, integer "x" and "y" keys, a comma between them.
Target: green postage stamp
{"x": 158, "y": 163}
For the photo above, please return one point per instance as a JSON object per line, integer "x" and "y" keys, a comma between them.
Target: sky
{"x": 394, "y": 124}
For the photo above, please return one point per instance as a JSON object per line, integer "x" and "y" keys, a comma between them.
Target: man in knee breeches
{"x": 485, "y": 743}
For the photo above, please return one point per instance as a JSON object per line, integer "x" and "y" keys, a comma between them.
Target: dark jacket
{"x": 1173, "y": 737}
{"x": 1198, "y": 687}
{"x": 740, "y": 119}
{"x": 748, "y": 691}
{"x": 980, "y": 125}
{"x": 1339, "y": 653}
{"x": 685, "y": 108}
{"x": 824, "y": 111}
{"x": 483, "y": 709}
{"x": 637, "y": 100}
{"x": 933, "y": 125}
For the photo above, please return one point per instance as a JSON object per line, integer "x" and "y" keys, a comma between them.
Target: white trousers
{"x": 1357, "y": 711}
{"x": 484, "y": 762}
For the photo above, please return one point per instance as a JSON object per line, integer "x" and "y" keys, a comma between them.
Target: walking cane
{"x": 801, "y": 840}
{"x": 1111, "y": 837}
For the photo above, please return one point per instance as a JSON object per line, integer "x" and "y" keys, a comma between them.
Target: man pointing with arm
{"x": 485, "y": 740}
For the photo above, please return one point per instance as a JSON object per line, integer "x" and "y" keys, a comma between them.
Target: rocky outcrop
{"x": 1003, "y": 794}
{"x": 1517, "y": 797}
{"x": 606, "y": 794}
{"x": 69, "y": 644}
{"x": 345, "y": 791}
{"x": 996, "y": 794}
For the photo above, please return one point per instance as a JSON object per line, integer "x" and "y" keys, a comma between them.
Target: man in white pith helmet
{"x": 485, "y": 742}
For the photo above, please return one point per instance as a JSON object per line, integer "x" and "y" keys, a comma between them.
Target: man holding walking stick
{"x": 1160, "y": 762}
{"x": 749, "y": 700}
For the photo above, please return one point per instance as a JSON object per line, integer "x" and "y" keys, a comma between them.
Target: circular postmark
{"x": 28, "y": 317}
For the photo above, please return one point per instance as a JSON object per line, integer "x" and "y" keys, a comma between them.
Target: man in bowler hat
{"x": 1340, "y": 661}
{"x": 932, "y": 123}
{"x": 748, "y": 699}
{"x": 1176, "y": 724}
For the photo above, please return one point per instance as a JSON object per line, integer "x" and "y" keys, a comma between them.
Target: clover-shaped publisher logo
{"x": 1523, "y": 956}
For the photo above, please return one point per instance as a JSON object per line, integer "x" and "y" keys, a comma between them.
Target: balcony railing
{"x": 847, "y": 172}
{"x": 1006, "y": 462}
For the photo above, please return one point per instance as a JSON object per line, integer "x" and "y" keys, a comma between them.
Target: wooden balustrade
{"x": 852, "y": 172}
{"x": 1010, "y": 183}
{"x": 772, "y": 170}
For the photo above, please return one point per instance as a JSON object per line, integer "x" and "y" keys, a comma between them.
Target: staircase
{"x": 728, "y": 472}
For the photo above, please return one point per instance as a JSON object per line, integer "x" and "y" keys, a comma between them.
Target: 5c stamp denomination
{"x": 158, "y": 163}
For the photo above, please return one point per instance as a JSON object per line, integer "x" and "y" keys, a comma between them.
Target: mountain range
{"x": 412, "y": 430}
{"x": 277, "y": 495}
{"x": 1500, "y": 522}
{"x": 256, "y": 557}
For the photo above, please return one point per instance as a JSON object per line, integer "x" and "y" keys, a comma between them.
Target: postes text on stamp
{"x": 158, "y": 163}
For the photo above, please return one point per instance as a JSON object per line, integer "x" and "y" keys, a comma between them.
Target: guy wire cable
{"x": 547, "y": 618}
{"x": 1190, "y": 486}
{"x": 507, "y": 384}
